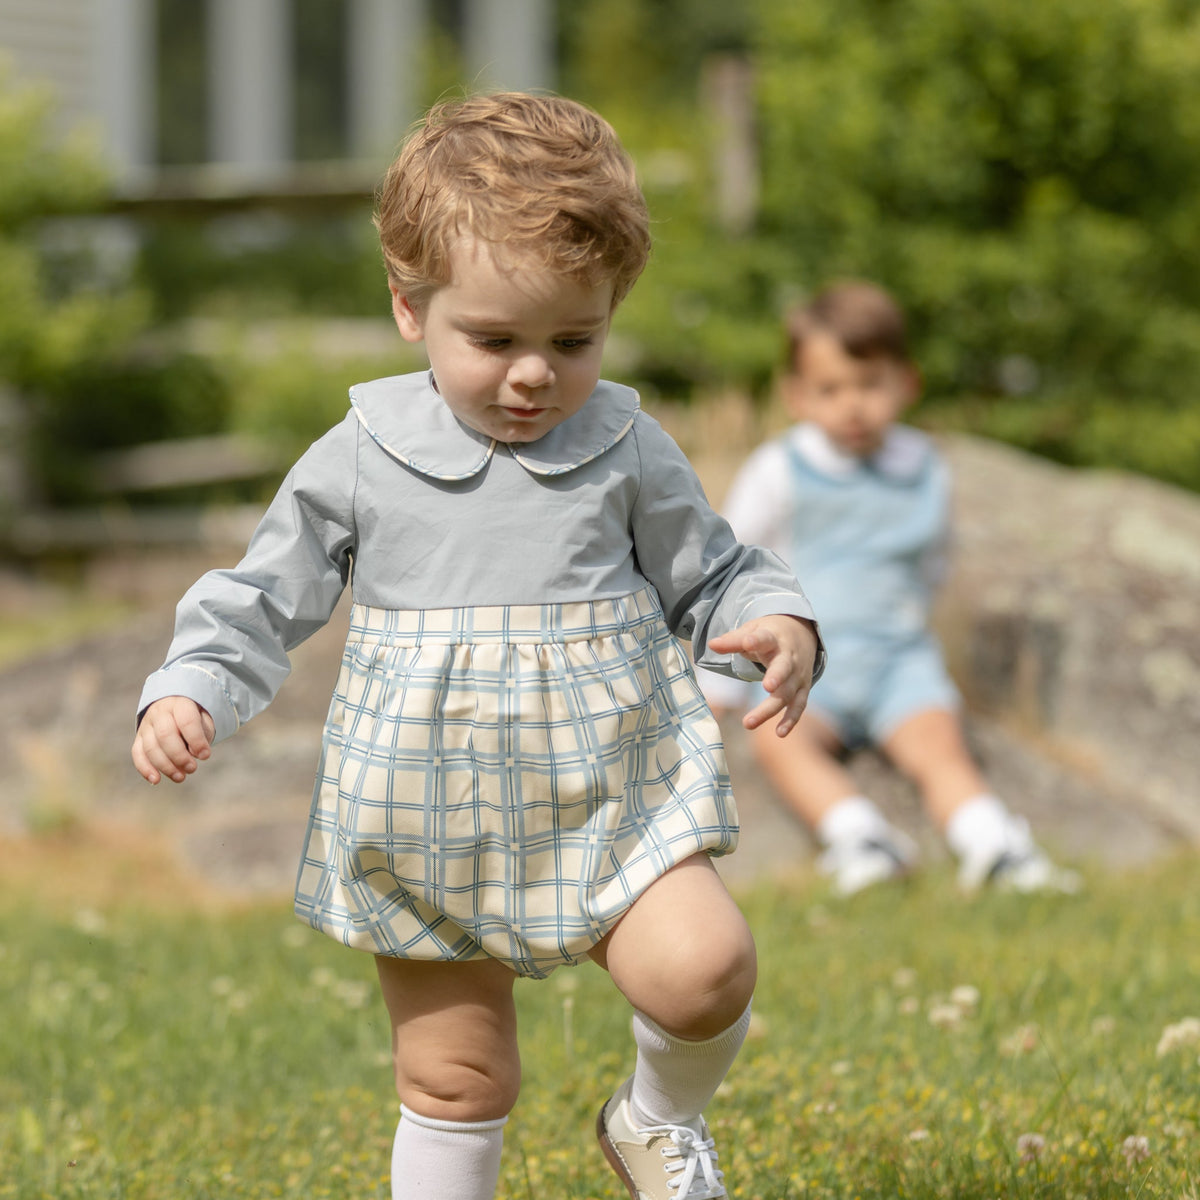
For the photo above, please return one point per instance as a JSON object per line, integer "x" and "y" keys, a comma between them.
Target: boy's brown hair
{"x": 862, "y": 317}
{"x": 541, "y": 175}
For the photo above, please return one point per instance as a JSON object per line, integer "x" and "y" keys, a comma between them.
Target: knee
{"x": 705, "y": 982}
{"x": 457, "y": 1088}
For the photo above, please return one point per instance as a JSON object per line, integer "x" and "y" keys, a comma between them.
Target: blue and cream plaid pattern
{"x": 506, "y": 781}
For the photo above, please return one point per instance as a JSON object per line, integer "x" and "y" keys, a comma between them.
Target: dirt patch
{"x": 104, "y": 867}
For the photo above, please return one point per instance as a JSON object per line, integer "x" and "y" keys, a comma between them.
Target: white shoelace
{"x": 695, "y": 1164}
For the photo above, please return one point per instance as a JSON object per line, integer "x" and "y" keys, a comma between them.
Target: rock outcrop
{"x": 1069, "y": 618}
{"x": 1073, "y": 616}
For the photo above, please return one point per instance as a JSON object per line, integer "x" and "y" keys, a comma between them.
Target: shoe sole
{"x": 896, "y": 869}
{"x": 613, "y": 1155}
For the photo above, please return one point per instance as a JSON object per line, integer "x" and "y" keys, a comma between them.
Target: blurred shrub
{"x": 49, "y": 318}
{"x": 1150, "y": 437}
{"x": 263, "y": 264}
{"x": 1025, "y": 177}
{"x": 71, "y": 326}
{"x": 117, "y": 401}
{"x": 294, "y": 397}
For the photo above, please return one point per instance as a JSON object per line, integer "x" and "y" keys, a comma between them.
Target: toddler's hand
{"x": 174, "y": 737}
{"x": 787, "y": 647}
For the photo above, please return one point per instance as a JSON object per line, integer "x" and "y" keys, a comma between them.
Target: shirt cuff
{"x": 199, "y": 685}
{"x": 787, "y": 604}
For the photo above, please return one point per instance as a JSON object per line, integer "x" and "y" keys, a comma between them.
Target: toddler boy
{"x": 858, "y": 506}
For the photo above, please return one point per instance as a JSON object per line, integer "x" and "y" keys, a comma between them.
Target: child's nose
{"x": 531, "y": 370}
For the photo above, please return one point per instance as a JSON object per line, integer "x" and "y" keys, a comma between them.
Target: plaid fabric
{"x": 506, "y": 781}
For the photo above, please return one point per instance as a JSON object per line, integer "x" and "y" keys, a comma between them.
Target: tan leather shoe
{"x": 661, "y": 1162}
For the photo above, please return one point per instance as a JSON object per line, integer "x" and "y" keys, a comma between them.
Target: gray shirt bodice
{"x": 419, "y": 511}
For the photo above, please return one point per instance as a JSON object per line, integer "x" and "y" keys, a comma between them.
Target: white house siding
{"x": 508, "y": 43}
{"x": 49, "y": 42}
{"x": 98, "y": 56}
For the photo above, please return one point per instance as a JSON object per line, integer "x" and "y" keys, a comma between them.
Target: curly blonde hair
{"x": 540, "y": 175}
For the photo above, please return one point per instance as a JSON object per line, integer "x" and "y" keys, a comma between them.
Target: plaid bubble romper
{"x": 506, "y": 781}
{"x": 516, "y": 747}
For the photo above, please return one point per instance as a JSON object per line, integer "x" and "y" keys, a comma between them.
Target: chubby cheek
{"x": 475, "y": 383}
{"x": 882, "y": 411}
{"x": 579, "y": 381}
{"x": 827, "y": 414}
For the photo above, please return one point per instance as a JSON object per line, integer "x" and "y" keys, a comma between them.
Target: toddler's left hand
{"x": 787, "y": 648}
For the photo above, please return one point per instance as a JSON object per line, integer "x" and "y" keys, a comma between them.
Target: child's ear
{"x": 913, "y": 383}
{"x": 410, "y": 324}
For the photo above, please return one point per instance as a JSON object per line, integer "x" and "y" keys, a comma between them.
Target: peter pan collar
{"x": 902, "y": 458}
{"x": 407, "y": 418}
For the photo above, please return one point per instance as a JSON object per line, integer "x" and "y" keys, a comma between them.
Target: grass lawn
{"x": 159, "y": 1045}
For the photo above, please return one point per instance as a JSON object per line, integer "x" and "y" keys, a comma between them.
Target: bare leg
{"x": 861, "y": 847}
{"x": 454, "y": 1044}
{"x": 992, "y": 844}
{"x": 683, "y": 954}
{"x": 802, "y": 768}
{"x": 929, "y": 748}
{"x": 684, "y": 958}
{"x": 454, "y": 1037}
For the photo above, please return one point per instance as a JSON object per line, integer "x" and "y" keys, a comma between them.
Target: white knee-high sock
{"x": 675, "y": 1079}
{"x": 445, "y": 1160}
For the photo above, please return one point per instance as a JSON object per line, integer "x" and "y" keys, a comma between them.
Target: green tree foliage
{"x": 1025, "y": 176}
{"x": 705, "y": 313}
{"x": 54, "y": 312}
{"x": 641, "y": 58}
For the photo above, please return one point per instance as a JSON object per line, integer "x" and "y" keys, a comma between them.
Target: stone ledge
{"x": 1071, "y": 615}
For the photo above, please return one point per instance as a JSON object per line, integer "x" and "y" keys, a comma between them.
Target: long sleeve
{"x": 709, "y": 582}
{"x": 934, "y": 564}
{"x": 234, "y": 627}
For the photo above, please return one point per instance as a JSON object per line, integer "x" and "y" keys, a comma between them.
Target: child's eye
{"x": 573, "y": 344}
{"x": 488, "y": 343}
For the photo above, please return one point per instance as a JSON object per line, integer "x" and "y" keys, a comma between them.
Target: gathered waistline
{"x": 573, "y": 621}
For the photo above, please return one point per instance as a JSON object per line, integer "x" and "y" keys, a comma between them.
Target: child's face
{"x": 854, "y": 400}
{"x": 515, "y": 349}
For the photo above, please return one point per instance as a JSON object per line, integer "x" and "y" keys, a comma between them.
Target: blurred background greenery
{"x": 1026, "y": 178}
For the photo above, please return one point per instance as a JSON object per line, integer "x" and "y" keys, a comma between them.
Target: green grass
{"x": 148, "y": 1051}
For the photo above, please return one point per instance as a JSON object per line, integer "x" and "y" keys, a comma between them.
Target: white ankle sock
{"x": 445, "y": 1160}
{"x": 853, "y": 819}
{"x": 674, "y": 1079}
{"x": 983, "y": 828}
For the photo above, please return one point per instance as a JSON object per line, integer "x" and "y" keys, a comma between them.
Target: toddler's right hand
{"x": 174, "y": 737}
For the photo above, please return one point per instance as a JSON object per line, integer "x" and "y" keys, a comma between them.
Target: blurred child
{"x": 518, "y": 771}
{"x": 858, "y": 505}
